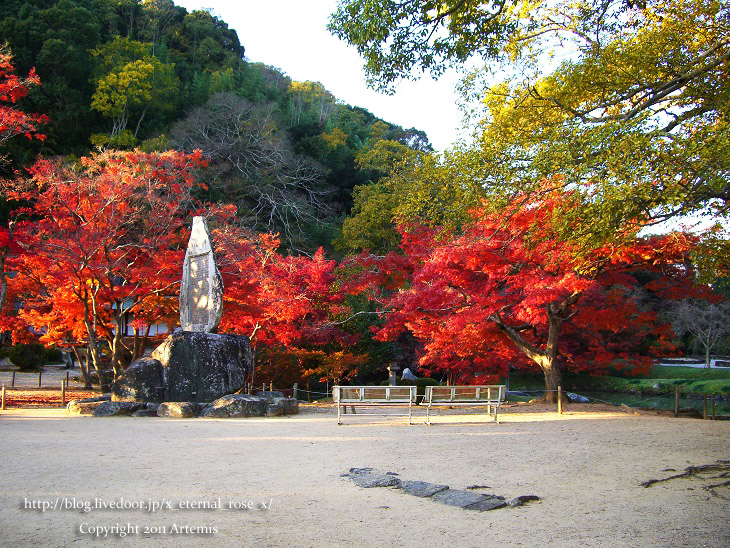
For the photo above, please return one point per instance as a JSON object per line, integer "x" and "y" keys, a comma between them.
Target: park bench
{"x": 490, "y": 396}
{"x": 374, "y": 396}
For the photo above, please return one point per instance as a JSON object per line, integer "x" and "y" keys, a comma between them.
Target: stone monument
{"x": 194, "y": 364}
{"x": 201, "y": 288}
{"x": 195, "y": 371}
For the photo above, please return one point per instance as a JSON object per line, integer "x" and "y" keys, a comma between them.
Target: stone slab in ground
{"x": 421, "y": 488}
{"x": 368, "y": 478}
{"x": 352, "y": 471}
{"x": 489, "y": 503}
{"x": 374, "y": 479}
{"x": 460, "y": 499}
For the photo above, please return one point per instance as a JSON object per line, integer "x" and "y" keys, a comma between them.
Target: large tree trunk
{"x": 93, "y": 349}
{"x": 93, "y": 344}
{"x": 253, "y": 365}
{"x": 546, "y": 358}
{"x": 117, "y": 341}
{"x": 553, "y": 379}
{"x": 549, "y": 360}
{"x": 140, "y": 342}
{"x": 83, "y": 367}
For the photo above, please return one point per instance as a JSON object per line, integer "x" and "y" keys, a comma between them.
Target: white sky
{"x": 292, "y": 36}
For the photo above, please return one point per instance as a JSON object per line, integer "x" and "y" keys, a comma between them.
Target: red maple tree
{"x": 282, "y": 302}
{"x": 14, "y": 122}
{"x": 13, "y": 88}
{"x": 512, "y": 290}
{"x": 99, "y": 240}
{"x": 105, "y": 238}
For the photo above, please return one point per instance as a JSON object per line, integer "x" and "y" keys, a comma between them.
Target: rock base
{"x": 187, "y": 367}
{"x": 229, "y": 406}
{"x": 179, "y": 409}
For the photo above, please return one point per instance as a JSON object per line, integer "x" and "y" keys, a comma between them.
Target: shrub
{"x": 53, "y": 355}
{"x": 28, "y": 357}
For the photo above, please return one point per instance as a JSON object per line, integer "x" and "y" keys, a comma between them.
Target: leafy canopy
{"x": 12, "y": 89}
{"x": 515, "y": 292}
{"x": 628, "y": 100}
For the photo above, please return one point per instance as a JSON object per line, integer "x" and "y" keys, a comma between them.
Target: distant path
{"x": 694, "y": 363}
{"x": 51, "y": 377}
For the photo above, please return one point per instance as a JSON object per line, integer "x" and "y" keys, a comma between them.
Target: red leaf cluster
{"x": 12, "y": 89}
{"x": 511, "y": 291}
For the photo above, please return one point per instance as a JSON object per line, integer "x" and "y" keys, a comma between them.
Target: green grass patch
{"x": 648, "y": 385}
{"x": 662, "y": 380}
{"x": 694, "y": 373}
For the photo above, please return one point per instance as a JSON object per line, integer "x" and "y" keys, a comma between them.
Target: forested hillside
{"x": 126, "y": 74}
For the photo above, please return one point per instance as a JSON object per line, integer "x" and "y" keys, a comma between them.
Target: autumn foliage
{"x": 99, "y": 242}
{"x": 12, "y": 89}
{"x": 99, "y": 239}
{"x": 512, "y": 290}
{"x": 285, "y": 304}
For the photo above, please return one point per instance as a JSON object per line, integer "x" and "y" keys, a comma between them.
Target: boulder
{"x": 202, "y": 367}
{"x": 179, "y": 409}
{"x": 187, "y": 367}
{"x": 277, "y": 407}
{"x": 149, "y": 410}
{"x": 145, "y": 413}
{"x": 270, "y": 395}
{"x": 80, "y": 407}
{"x": 236, "y": 405}
{"x": 103, "y": 397}
{"x": 577, "y": 398}
{"x": 116, "y": 408}
{"x": 141, "y": 381}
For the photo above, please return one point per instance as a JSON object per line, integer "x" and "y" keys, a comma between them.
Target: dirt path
{"x": 51, "y": 377}
{"x": 586, "y": 467}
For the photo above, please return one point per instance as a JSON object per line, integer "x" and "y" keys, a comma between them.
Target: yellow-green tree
{"x": 628, "y": 100}
{"x": 131, "y": 81}
{"x": 312, "y": 99}
{"x": 416, "y": 186}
